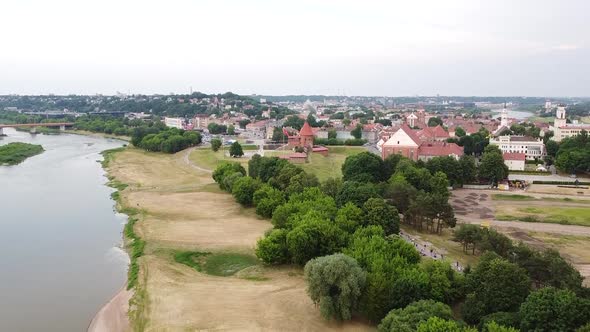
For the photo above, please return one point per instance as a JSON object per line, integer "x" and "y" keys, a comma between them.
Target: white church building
{"x": 562, "y": 129}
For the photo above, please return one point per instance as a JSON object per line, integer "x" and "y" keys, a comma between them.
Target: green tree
{"x": 226, "y": 169}
{"x": 235, "y": 150}
{"x": 551, "y": 309}
{"x": 272, "y": 249}
{"x": 231, "y": 130}
{"x": 357, "y": 132}
{"x": 294, "y": 122}
{"x": 495, "y": 327}
{"x": 460, "y": 132}
{"x": 356, "y": 192}
{"x": 349, "y": 217}
{"x": 494, "y": 285}
{"x": 492, "y": 167}
{"x": 379, "y": 213}
{"x": 400, "y": 192}
{"x": 435, "y": 121}
{"x": 332, "y": 134}
{"x": 332, "y": 186}
{"x": 408, "y": 318}
{"x": 215, "y": 144}
{"x": 435, "y": 324}
{"x": 363, "y": 167}
{"x": 551, "y": 147}
{"x": 267, "y": 199}
{"x": 313, "y": 237}
{"x": 244, "y": 188}
{"x": 335, "y": 283}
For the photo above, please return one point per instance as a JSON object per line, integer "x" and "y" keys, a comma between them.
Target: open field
{"x": 551, "y": 218}
{"x": 566, "y": 215}
{"x": 322, "y": 167}
{"x": 182, "y": 210}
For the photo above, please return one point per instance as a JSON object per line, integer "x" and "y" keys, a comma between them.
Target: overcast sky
{"x": 363, "y": 47}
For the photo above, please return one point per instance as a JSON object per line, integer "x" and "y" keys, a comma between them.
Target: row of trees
{"x": 170, "y": 140}
{"x": 573, "y": 154}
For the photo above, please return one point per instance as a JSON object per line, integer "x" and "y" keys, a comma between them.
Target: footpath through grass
{"x": 17, "y": 152}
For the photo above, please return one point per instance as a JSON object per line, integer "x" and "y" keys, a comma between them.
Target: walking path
{"x": 186, "y": 159}
{"x": 427, "y": 250}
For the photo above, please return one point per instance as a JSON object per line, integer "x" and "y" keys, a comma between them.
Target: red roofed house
{"x": 515, "y": 161}
{"x": 407, "y": 143}
{"x": 437, "y": 133}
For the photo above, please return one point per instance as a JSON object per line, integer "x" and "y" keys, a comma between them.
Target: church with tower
{"x": 562, "y": 129}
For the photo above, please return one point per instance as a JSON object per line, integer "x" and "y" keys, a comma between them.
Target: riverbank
{"x": 112, "y": 317}
{"x": 179, "y": 208}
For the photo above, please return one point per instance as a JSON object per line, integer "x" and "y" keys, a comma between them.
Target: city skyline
{"x": 460, "y": 48}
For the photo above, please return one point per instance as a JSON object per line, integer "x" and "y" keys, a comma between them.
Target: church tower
{"x": 560, "y": 119}
{"x": 504, "y": 117}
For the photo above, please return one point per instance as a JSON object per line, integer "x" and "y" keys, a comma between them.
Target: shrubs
{"x": 272, "y": 249}
{"x": 408, "y": 318}
{"x": 243, "y": 190}
{"x": 335, "y": 283}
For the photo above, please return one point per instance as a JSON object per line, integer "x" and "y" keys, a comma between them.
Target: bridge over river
{"x": 62, "y": 126}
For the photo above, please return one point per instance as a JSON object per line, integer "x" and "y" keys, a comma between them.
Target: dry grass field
{"x": 181, "y": 209}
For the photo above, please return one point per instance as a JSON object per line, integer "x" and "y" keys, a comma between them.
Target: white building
{"x": 514, "y": 161}
{"x": 531, "y": 147}
{"x": 174, "y": 122}
{"x": 562, "y": 129}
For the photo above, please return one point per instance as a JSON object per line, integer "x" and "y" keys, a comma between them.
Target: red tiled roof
{"x": 410, "y": 133}
{"x": 306, "y": 130}
{"x": 514, "y": 156}
{"x": 439, "y": 149}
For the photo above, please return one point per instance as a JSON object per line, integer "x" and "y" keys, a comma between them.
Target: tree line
{"x": 344, "y": 231}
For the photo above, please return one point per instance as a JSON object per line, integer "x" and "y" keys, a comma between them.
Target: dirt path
{"x": 187, "y": 161}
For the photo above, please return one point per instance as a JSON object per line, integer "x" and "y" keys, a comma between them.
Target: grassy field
{"x": 542, "y": 119}
{"x": 322, "y": 167}
{"x": 520, "y": 198}
{"x": 570, "y": 215}
{"x": 17, "y": 152}
{"x": 196, "y": 269}
{"x": 206, "y": 158}
{"x": 325, "y": 167}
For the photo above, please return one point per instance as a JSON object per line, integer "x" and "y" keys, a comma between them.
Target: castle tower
{"x": 306, "y": 136}
{"x": 560, "y": 118}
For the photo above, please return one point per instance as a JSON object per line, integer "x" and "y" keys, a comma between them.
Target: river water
{"x": 60, "y": 256}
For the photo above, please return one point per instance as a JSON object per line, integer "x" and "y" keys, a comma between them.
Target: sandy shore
{"x": 113, "y": 316}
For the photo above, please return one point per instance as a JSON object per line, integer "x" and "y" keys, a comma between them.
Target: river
{"x": 60, "y": 239}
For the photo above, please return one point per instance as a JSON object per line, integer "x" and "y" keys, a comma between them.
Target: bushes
{"x": 243, "y": 190}
{"x": 408, "y": 318}
{"x": 272, "y": 249}
{"x": 224, "y": 170}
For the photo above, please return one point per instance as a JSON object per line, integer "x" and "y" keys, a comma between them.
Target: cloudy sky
{"x": 363, "y": 47}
